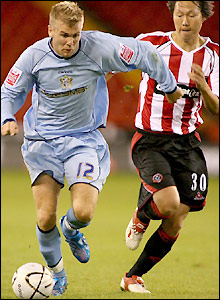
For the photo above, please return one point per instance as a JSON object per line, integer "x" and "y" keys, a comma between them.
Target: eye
{"x": 75, "y": 35}
{"x": 65, "y": 35}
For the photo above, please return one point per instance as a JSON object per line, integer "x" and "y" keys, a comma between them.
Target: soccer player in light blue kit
{"x": 69, "y": 103}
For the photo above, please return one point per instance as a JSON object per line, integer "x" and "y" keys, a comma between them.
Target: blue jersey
{"x": 70, "y": 95}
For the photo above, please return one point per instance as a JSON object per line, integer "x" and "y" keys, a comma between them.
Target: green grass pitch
{"x": 189, "y": 271}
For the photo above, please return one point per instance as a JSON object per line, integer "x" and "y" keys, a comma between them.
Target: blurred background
{"x": 24, "y": 22}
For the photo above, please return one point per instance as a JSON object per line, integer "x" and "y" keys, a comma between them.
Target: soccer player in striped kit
{"x": 166, "y": 146}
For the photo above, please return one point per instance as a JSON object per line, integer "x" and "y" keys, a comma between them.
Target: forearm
{"x": 6, "y": 111}
{"x": 211, "y": 101}
{"x": 154, "y": 65}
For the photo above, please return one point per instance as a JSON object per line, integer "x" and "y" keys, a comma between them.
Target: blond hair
{"x": 67, "y": 11}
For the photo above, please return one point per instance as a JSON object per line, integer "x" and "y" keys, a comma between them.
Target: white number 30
{"x": 202, "y": 182}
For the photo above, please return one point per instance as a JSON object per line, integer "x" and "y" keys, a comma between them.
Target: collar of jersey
{"x": 61, "y": 57}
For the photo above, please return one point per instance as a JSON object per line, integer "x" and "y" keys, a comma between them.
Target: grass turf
{"x": 189, "y": 271}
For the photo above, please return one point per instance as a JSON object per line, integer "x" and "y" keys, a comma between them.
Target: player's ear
{"x": 83, "y": 19}
{"x": 50, "y": 31}
{"x": 203, "y": 19}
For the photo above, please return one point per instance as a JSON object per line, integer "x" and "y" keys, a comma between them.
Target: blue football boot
{"x": 77, "y": 243}
{"x": 60, "y": 285}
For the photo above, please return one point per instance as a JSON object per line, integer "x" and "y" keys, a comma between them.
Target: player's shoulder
{"x": 39, "y": 48}
{"x": 212, "y": 45}
{"x": 156, "y": 37}
{"x": 97, "y": 43}
{"x": 96, "y": 35}
{"x": 41, "y": 45}
{"x": 33, "y": 54}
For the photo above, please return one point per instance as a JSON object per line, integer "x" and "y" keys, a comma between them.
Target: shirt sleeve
{"x": 127, "y": 54}
{"x": 213, "y": 79}
{"x": 16, "y": 86}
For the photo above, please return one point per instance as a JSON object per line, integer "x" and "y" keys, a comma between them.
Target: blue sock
{"x": 60, "y": 274}
{"x": 73, "y": 223}
{"x": 50, "y": 246}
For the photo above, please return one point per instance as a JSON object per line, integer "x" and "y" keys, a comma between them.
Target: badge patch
{"x": 126, "y": 53}
{"x": 199, "y": 197}
{"x": 13, "y": 76}
{"x": 157, "y": 178}
{"x": 66, "y": 82}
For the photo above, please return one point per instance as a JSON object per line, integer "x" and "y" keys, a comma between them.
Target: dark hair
{"x": 206, "y": 7}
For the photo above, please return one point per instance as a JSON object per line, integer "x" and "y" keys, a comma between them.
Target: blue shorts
{"x": 82, "y": 158}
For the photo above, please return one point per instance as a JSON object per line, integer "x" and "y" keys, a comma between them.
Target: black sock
{"x": 142, "y": 217}
{"x": 150, "y": 211}
{"x": 156, "y": 248}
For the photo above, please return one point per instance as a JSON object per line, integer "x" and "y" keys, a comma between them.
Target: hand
{"x": 108, "y": 76}
{"x": 198, "y": 77}
{"x": 9, "y": 128}
{"x": 172, "y": 98}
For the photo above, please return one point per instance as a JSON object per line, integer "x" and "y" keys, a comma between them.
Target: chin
{"x": 67, "y": 55}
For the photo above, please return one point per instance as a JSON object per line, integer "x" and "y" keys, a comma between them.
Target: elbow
{"x": 212, "y": 106}
{"x": 214, "y": 110}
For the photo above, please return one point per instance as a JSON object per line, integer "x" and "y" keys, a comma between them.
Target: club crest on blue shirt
{"x": 66, "y": 82}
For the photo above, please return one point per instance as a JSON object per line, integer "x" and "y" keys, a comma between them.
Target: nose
{"x": 70, "y": 41}
{"x": 185, "y": 21}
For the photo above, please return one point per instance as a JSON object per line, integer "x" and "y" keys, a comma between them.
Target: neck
{"x": 189, "y": 45}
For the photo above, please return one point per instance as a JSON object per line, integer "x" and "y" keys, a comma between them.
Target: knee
{"x": 83, "y": 214}
{"x": 167, "y": 201}
{"x": 46, "y": 220}
{"x": 169, "y": 207}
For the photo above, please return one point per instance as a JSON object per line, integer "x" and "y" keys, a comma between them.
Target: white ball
{"x": 32, "y": 281}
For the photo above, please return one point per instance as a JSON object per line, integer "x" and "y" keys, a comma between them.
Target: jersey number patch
{"x": 85, "y": 170}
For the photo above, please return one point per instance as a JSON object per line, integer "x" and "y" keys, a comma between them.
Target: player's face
{"x": 65, "y": 39}
{"x": 188, "y": 20}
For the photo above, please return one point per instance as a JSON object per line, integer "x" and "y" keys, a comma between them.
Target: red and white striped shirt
{"x": 154, "y": 112}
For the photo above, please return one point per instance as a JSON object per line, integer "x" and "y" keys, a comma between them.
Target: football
{"x": 32, "y": 281}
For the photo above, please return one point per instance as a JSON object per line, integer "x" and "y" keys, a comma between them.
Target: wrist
{"x": 168, "y": 93}
{"x": 8, "y": 120}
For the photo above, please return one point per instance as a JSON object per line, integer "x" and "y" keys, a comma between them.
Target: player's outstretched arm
{"x": 211, "y": 101}
{"x": 173, "y": 97}
{"x": 9, "y": 128}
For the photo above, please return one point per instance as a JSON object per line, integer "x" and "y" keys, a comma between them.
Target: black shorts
{"x": 171, "y": 160}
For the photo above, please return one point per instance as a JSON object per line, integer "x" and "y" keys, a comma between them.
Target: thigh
{"x": 82, "y": 167}
{"x": 173, "y": 225}
{"x": 89, "y": 163}
{"x": 39, "y": 157}
{"x": 46, "y": 192}
{"x": 84, "y": 200}
{"x": 191, "y": 176}
{"x": 155, "y": 172}
{"x": 154, "y": 169}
